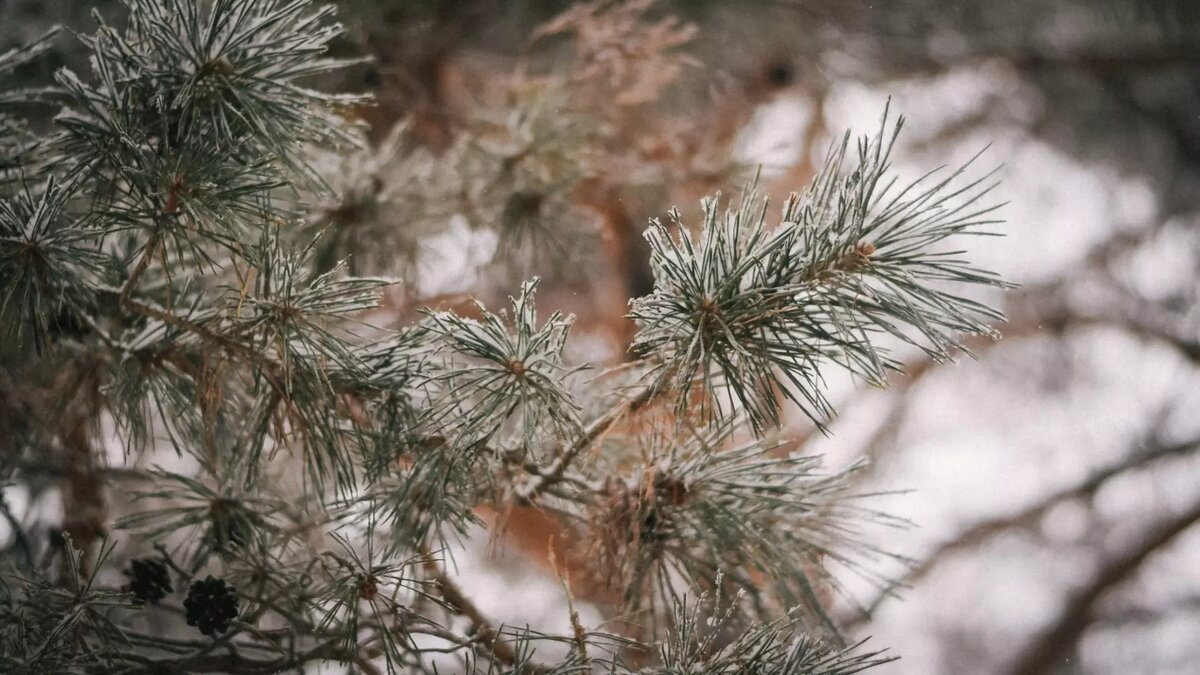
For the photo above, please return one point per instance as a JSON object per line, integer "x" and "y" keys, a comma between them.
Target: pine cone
{"x": 211, "y": 604}
{"x": 149, "y": 579}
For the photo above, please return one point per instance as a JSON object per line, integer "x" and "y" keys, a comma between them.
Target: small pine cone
{"x": 149, "y": 580}
{"x": 211, "y": 604}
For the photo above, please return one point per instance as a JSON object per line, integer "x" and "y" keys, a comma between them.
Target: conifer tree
{"x": 257, "y": 476}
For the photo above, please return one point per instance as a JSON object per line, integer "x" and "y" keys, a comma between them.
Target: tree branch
{"x": 554, "y": 472}
{"x": 1028, "y": 516}
{"x": 1048, "y": 650}
{"x": 460, "y": 603}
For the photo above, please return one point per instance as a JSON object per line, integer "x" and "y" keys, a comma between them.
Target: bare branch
{"x": 1047, "y": 650}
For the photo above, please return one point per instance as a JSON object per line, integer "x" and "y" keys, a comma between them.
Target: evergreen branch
{"x": 498, "y": 376}
{"x": 745, "y": 313}
{"x": 771, "y": 647}
{"x": 694, "y": 506}
{"x": 47, "y": 266}
{"x": 163, "y": 244}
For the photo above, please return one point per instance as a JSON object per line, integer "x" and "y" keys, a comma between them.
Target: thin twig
{"x": 554, "y": 472}
{"x": 460, "y": 603}
{"x": 148, "y": 253}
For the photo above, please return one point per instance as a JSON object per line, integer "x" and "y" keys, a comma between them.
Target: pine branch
{"x": 745, "y": 313}
{"x": 501, "y": 372}
{"x": 166, "y": 241}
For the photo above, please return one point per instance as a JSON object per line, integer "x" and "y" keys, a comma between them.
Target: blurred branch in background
{"x": 1047, "y": 650}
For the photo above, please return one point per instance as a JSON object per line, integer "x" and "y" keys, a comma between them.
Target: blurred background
{"x": 1054, "y": 480}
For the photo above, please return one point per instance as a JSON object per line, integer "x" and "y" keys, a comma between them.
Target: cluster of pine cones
{"x": 211, "y": 604}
